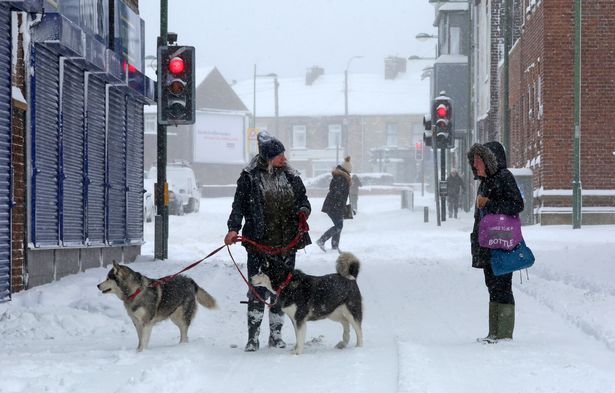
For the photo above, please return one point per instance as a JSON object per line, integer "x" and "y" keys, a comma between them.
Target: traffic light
{"x": 176, "y": 96}
{"x": 442, "y": 116}
{"x": 427, "y": 132}
{"x": 418, "y": 151}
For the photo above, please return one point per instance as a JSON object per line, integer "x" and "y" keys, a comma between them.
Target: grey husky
{"x": 175, "y": 300}
{"x": 309, "y": 298}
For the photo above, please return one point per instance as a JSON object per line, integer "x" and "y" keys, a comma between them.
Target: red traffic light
{"x": 418, "y": 146}
{"x": 176, "y": 65}
{"x": 442, "y": 111}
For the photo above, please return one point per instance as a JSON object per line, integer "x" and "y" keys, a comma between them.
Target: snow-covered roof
{"x": 368, "y": 94}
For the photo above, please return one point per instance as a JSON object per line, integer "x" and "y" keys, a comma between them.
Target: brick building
{"x": 541, "y": 107}
{"x": 72, "y": 80}
{"x": 384, "y": 122}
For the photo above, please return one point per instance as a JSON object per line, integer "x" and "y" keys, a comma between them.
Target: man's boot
{"x": 492, "y": 336}
{"x": 255, "y": 317}
{"x": 506, "y": 321}
{"x": 276, "y": 320}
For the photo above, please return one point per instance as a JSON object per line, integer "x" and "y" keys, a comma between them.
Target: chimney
{"x": 393, "y": 65}
{"x": 312, "y": 74}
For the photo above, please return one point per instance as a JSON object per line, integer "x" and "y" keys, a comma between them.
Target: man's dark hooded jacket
{"x": 248, "y": 204}
{"x": 499, "y": 186}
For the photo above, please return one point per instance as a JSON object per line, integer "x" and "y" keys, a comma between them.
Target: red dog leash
{"x": 166, "y": 279}
{"x": 254, "y": 291}
{"x": 303, "y": 228}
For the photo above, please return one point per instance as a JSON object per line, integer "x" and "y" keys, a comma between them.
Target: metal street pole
{"x": 435, "y": 174}
{"x": 277, "y": 108}
{"x": 254, "y": 100}
{"x": 161, "y": 221}
{"x": 344, "y": 136}
{"x": 506, "y": 104}
{"x": 577, "y": 199}
{"x": 422, "y": 170}
{"x": 443, "y": 179}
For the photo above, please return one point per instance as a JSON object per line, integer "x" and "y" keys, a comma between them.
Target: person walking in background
{"x": 454, "y": 188}
{"x": 271, "y": 198}
{"x": 354, "y": 193}
{"x": 335, "y": 204}
{"x": 497, "y": 194}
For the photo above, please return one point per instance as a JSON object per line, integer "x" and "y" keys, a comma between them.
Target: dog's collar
{"x": 284, "y": 284}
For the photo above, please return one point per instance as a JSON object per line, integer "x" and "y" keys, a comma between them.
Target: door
{"x": 116, "y": 166}
{"x": 95, "y": 161}
{"x": 44, "y": 147}
{"x": 5, "y": 154}
{"x": 72, "y": 223}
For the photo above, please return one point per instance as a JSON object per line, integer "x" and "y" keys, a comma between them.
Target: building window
{"x": 150, "y": 125}
{"x": 299, "y": 137}
{"x": 335, "y": 135}
{"x": 454, "y": 40}
{"x": 539, "y": 96}
{"x": 530, "y": 103}
{"x": 391, "y": 134}
{"x": 322, "y": 167}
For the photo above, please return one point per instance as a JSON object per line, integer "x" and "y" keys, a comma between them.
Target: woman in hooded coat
{"x": 335, "y": 204}
{"x": 497, "y": 194}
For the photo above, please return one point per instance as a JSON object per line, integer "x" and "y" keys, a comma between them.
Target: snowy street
{"x": 424, "y": 306}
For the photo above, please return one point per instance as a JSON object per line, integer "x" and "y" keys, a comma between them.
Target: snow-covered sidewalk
{"x": 423, "y": 308}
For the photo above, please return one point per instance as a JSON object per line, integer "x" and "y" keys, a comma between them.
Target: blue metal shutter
{"x": 116, "y": 166}
{"x": 45, "y": 152}
{"x": 72, "y": 157}
{"x": 95, "y": 161}
{"x": 5, "y": 153}
{"x": 134, "y": 170}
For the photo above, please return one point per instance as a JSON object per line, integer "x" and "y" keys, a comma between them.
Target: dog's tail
{"x": 348, "y": 265}
{"x": 204, "y": 298}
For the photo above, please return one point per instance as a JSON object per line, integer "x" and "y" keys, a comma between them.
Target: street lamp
{"x": 344, "y": 135}
{"x": 425, "y": 36}
{"x": 415, "y": 57}
{"x": 276, "y": 86}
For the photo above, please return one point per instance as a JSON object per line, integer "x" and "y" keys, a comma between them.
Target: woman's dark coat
{"x": 499, "y": 186}
{"x": 335, "y": 202}
{"x": 248, "y": 203}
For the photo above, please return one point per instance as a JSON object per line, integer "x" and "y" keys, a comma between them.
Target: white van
{"x": 184, "y": 193}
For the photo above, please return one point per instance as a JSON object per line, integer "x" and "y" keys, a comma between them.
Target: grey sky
{"x": 288, "y": 36}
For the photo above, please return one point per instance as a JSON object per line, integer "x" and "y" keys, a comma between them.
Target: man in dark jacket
{"x": 271, "y": 198}
{"x": 497, "y": 194}
{"x": 335, "y": 204}
{"x": 454, "y": 189}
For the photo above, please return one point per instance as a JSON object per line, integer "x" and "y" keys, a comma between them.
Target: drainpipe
{"x": 577, "y": 200}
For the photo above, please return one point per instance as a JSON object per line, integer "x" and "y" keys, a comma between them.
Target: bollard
{"x": 425, "y": 214}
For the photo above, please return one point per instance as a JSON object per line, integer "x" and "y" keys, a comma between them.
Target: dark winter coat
{"x": 336, "y": 199}
{"x": 249, "y": 204}
{"x": 354, "y": 186}
{"x": 454, "y": 186}
{"x": 499, "y": 186}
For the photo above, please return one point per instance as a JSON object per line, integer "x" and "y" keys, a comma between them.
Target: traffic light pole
{"x": 161, "y": 234}
{"x": 443, "y": 179}
{"x": 435, "y": 175}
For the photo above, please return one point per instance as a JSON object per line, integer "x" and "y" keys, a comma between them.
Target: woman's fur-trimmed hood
{"x": 492, "y": 154}
{"x": 340, "y": 171}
